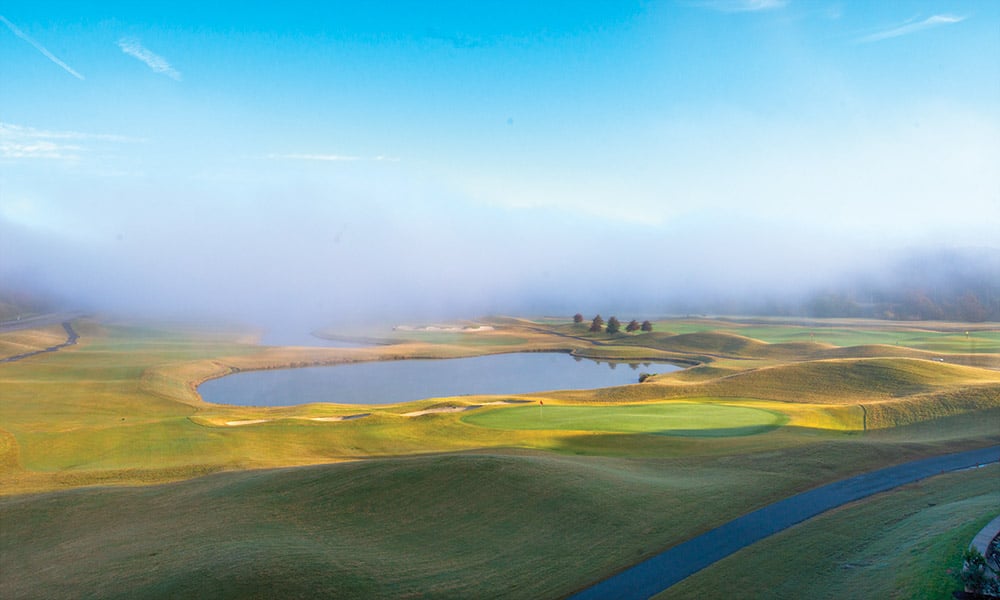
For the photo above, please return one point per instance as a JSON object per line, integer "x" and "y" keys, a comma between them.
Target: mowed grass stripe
{"x": 675, "y": 418}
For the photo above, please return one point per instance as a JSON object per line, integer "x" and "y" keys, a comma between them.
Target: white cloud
{"x": 38, "y": 149}
{"x": 912, "y": 27}
{"x": 40, "y": 48}
{"x": 330, "y": 157}
{"x": 742, "y": 5}
{"x": 154, "y": 61}
{"x": 18, "y": 141}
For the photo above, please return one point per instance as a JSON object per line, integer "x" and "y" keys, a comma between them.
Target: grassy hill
{"x": 433, "y": 502}
{"x": 502, "y": 526}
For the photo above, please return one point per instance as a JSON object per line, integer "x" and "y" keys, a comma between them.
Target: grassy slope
{"x": 120, "y": 405}
{"x": 511, "y": 526}
{"x": 679, "y": 418}
{"x": 31, "y": 340}
{"x": 894, "y": 545}
{"x": 119, "y": 408}
{"x": 500, "y": 525}
{"x": 936, "y": 337}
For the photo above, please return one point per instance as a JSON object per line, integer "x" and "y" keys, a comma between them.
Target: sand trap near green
{"x": 676, "y": 418}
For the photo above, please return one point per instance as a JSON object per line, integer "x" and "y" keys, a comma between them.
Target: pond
{"x": 389, "y": 382}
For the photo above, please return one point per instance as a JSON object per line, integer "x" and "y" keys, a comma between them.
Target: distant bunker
{"x": 686, "y": 419}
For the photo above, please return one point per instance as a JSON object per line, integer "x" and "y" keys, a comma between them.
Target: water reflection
{"x": 403, "y": 381}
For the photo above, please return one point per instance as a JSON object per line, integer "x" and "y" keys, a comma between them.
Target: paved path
{"x": 71, "y": 337}
{"x": 658, "y": 573}
{"x": 986, "y": 535}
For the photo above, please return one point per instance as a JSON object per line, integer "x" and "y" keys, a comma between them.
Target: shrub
{"x": 976, "y": 575}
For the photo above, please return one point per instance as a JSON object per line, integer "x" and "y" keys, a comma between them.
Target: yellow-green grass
{"x": 675, "y": 418}
{"x": 837, "y": 381}
{"x": 121, "y": 406}
{"x": 461, "y": 339}
{"x": 933, "y": 336}
{"x": 509, "y": 513}
{"x": 14, "y": 343}
{"x": 901, "y": 544}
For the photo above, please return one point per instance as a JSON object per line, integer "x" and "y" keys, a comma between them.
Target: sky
{"x": 349, "y": 160}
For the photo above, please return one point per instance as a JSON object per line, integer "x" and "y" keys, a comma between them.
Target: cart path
{"x": 658, "y": 573}
{"x": 71, "y": 338}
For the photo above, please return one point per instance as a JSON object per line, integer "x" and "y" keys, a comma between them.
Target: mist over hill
{"x": 953, "y": 284}
{"x": 948, "y": 284}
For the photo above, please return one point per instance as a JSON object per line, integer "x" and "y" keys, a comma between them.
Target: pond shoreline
{"x": 386, "y": 381}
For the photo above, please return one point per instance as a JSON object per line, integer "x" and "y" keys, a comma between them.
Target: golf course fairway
{"x": 675, "y": 418}
{"x": 118, "y": 479}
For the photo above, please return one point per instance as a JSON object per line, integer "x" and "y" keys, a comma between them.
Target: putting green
{"x": 675, "y": 418}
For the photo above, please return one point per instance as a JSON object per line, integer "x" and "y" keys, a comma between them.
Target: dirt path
{"x": 71, "y": 338}
{"x": 658, "y": 573}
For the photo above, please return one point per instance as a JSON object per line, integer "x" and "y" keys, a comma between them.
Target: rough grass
{"x": 504, "y": 526}
{"x": 844, "y": 381}
{"x": 513, "y": 513}
{"x": 122, "y": 404}
{"x": 24, "y": 341}
{"x": 676, "y": 418}
{"x": 900, "y": 544}
{"x": 936, "y": 337}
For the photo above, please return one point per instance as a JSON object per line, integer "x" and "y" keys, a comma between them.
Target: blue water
{"x": 389, "y": 382}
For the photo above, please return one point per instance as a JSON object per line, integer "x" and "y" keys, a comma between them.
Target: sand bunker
{"x": 247, "y": 422}
{"x": 454, "y": 409}
{"x": 342, "y": 418}
{"x": 324, "y": 419}
{"x": 445, "y": 409}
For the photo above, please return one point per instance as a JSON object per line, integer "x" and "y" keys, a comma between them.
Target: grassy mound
{"x": 460, "y": 526}
{"x": 711, "y": 342}
{"x": 31, "y": 340}
{"x": 678, "y": 418}
{"x": 851, "y": 380}
{"x": 452, "y": 526}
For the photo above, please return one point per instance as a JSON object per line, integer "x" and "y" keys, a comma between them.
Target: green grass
{"x": 685, "y": 419}
{"x": 910, "y": 335}
{"x": 514, "y": 511}
{"x": 459, "y": 339}
{"x": 899, "y": 544}
{"x": 502, "y": 526}
{"x": 118, "y": 406}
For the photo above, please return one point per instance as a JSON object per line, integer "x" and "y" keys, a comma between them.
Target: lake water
{"x": 389, "y": 382}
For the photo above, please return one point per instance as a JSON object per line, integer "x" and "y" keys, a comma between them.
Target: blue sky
{"x": 472, "y": 154}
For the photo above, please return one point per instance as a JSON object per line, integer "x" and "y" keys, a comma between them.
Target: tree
{"x": 971, "y": 309}
{"x": 578, "y": 318}
{"x": 646, "y": 326}
{"x": 596, "y": 324}
{"x": 632, "y": 326}
{"x": 614, "y": 325}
